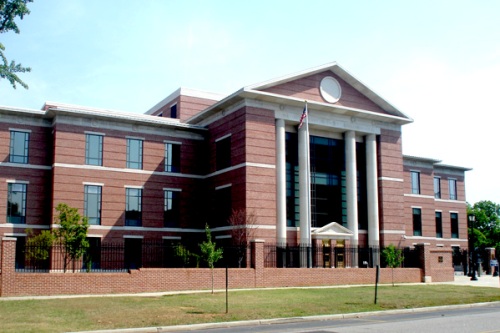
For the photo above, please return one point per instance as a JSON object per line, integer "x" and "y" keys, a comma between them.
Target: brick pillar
{"x": 425, "y": 261}
{"x": 7, "y": 264}
{"x": 258, "y": 261}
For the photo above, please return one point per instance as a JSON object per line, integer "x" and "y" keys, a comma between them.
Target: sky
{"x": 436, "y": 61}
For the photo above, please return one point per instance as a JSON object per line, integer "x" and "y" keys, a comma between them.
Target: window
{"x": 173, "y": 111}
{"x": 454, "y": 225}
{"x": 133, "y": 209}
{"x": 171, "y": 208}
{"x": 223, "y": 152}
{"x": 93, "y": 149}
{"x": 452, "y": 184}
{"x": 134, "y": 153}
{"x": 19, "y": 147}
{"x": 172, "y": 157}
{"x": 92, "y": 204}
{"x": 223, "y": 206}
{"x": 133, "y": 253}
{"x": 417, "y": 222}
{"x": 16, "y": 203}
{"x": 437, "y": 187}
{"x": 439, "y": 225}
{"x": 415, "y": 182}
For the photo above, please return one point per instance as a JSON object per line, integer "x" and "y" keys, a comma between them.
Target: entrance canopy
{"x": 332, "y": 230}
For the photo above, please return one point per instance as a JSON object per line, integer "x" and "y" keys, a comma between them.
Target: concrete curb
{"x": 277, "y": 321}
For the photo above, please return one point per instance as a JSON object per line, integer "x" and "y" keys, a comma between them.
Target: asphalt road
{"x": 476, "y": 319}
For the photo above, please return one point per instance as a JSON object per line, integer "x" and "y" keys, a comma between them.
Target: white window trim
{"x": 94, "y": 133}
{"x": 223, "y": 137}
{"x": 172, "y": 237}
{"x": 172, "y": 142}
{"x": 172, "y": 189}
{"x": 93, "y": 184}
{"x": 223, "y": 187}
{"x": 135, "y": 138}
{"x": 133, "y": 236}
{"x": 14, "y": 181}
{"x": 19, "y": 130}
{"x": 137, "y": 187}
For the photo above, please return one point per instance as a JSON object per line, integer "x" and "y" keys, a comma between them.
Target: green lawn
{"x": 59, "y": 315}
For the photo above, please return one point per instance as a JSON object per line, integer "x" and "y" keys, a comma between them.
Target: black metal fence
{"x": 123, "y": 256}
{"x": 325, "y": 256}
{"x": 119, "y": 257}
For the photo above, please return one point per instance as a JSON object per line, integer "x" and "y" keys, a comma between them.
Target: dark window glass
{"x": 454, "y": 225}
{"x": 223, "y": 152}
{"x": 415, "y": 182}
{"x": 172, "y": 157}
{"x": 223, "y": 207}
{"x": 452, "y": 184}
{"x": 133, "y": 210}
{"x": 171, "y": 210}
{"x": 16, "y": 203}
{"x": 92, "y": 204}
{"x": 134, "y": 153}
{"x": 92, "y": 257}
{"x": 173, "y": 111}
{"x": 417, "y": 222}
{"x": 19, "y": 142}
{"x": 93, "y": 149}
{"x": 439, "y": 225}
{"x": 437, "y": 187}
{"x": 133, "y": 253}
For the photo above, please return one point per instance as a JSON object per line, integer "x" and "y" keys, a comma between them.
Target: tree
{"x": 243, "y": 228}
{"x": 486, "y": 229}
{"x": 38, "y": 248}
{"x": 393, "y": 258}
{"x": 72, "y": 234}
{"x": 9, "y": 11}
{"x": 210, "y": 253}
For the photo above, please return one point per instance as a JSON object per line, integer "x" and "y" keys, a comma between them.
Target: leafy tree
{"x": 210, "y": 253}
{"x": 38, "y": 247}
{"x": 486, "y": 229}
{"x": 393, "y": 258}
{"x": 243, "y": 228}
{"x": 9, "y": 11}
{"x": 72, "y": 234}
{"x": 186, "y": 256}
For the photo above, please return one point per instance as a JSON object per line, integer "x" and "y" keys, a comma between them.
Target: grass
{"x": 77, "y": 314}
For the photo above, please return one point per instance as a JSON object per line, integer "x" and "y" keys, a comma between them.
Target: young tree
{"x": 393, "y": 258}
{"x": 38, "y": 248}
{"x": 243, "y": 228}
{"x": 72, "y": 233}
{"x": 9, "y": 11}
{"x": 210, "y": 253}
{"x": 486, "y": 229}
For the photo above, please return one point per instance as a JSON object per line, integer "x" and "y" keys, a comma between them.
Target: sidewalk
{"x": 482, "y": 281}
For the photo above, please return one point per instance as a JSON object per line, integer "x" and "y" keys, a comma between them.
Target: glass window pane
{"x": 19, "y": 147}
{"x": 134, "y": 153}
{"x": 133, "y": 209}
{"x": 93, "y": 149}
{"x": 16, "y": 203}
{"x": 92, "y": 204}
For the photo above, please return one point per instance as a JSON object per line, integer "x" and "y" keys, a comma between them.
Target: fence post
{"x": 7, "y": 265}
{"x": 258, "y": 261}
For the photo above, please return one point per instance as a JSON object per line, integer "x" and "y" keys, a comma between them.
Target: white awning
{"x": 332, "y": 230}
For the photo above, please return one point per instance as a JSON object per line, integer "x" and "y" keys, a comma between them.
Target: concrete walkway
{"x": 482, "y": 281}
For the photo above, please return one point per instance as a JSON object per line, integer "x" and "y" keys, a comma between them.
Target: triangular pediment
{"x": 309, "y": 85}
{"x": 332, "y": 230}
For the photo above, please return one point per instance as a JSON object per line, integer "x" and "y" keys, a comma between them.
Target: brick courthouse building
{"x": 195, "y": 157}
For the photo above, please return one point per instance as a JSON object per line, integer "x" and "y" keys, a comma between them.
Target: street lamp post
{"x": 472, "y": 224}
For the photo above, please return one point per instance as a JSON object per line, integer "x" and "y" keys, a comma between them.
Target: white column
{"x": 305, "y": 231}
{"x": 352, "y": 191}
{"x": 280, "y": 183}
{"x": 372, "y": 195}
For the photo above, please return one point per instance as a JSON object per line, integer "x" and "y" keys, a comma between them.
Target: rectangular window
{"x": 133, "y": 209}
{"x": 171, "y": 208}
{"x": 172, "y": 157}
{"x": 92, "y": 204}
{"x": 16, "y": 203}
{"x": 223, "y": 206}
{"x": 415, "y": 182}
{"x": 437, "y": 187}
{"x": 173, "y": 111}
{"x": 19, "y": 142}
{"x": 134, "y": 153}
{"x": 439, "y": 225}
{"x": 454, "y": 225}
{"x": 452, "y": 184}
{"x": 93, "y": 149}
{"x": 417, "y": 222}
{"x": 223, "y": 152}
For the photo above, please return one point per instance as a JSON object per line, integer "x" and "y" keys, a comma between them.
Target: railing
{"x": 117, "y": 257}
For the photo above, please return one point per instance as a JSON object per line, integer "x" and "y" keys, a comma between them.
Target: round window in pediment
{"x": 330, "y": 89}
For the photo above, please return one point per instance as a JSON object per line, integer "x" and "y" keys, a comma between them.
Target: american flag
{"x": 303, "y": 116}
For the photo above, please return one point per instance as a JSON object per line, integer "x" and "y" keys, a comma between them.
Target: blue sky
{"x": 437, "y": 61}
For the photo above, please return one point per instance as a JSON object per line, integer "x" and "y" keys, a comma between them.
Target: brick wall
{"x": 14, "y": 283}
